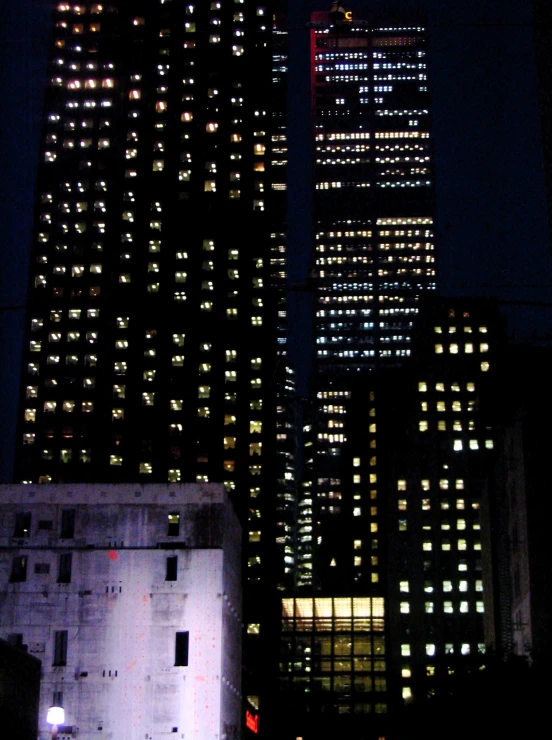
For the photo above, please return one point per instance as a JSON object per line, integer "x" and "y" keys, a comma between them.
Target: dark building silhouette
{"x": 19, "y": 689}
{"x": 520, "y": 509}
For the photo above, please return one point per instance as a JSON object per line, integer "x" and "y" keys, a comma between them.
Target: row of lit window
{"x": 94, "y": 9}
{"x": 431, "y": 649}
{"x": 454, "y": 348}
{"x": 448, "y": 607}
{"x": 461, "y": 544}
{"x": 444, "y": 504}
{"x": 445, "y": 526}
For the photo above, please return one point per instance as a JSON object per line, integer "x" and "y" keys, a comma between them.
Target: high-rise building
{"x": 152, "y": 233}
{"x": 155, "y": 341}
{"x": 374, "y": 251}
{"x": 397, "y": 441}
{"x": 398, "y": 578}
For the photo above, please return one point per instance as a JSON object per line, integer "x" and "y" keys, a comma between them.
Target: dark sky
{"x": 492, "y": 233}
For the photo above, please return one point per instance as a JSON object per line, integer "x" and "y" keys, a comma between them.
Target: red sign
{"x": 252, "y": 721}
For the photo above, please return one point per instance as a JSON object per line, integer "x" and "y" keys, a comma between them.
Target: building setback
{"x": 130, "y": 595}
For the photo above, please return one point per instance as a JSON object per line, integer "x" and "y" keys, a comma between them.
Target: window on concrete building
{"x": 67, "y": 524}
{"x": 173, "y": 524}
{"x": 19, "y": 569}
{"x": 22, "y": 524}
{"x": 64, "y": 572}
{"x": 182, "y": 640}
{"x": 60, "y": 647}
{"x": 172, "y": 568}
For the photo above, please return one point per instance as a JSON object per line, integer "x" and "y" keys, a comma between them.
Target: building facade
{"x": 410, "y": 531}
{"x": 373, "y": 259}
{"x": 130, "y": 595}
{"x": 374, "y": 251}
{"x": 153, "y": 229}
{"x": 374, "y": 248}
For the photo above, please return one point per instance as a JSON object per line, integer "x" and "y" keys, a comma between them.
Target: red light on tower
{"x": 252, "y": 721}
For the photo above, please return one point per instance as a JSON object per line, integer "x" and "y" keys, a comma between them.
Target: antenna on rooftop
{"x": 337, "y": 12}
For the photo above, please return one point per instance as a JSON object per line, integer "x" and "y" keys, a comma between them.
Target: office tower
{"x": 374, "y": 249}
{"x": 130, "y": 596}
{"x": 400, "y": 562}
{"x": 374, "y": 252}
{"x": 151, "y": 347}
{"x": 373, "y": 257}
{"x": 389, "y": 576}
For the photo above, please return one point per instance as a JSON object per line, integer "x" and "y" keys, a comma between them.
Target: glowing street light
{"x": 55, "y": 717}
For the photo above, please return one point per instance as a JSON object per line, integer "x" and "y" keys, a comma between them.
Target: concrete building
{"x": 130, "y": 595}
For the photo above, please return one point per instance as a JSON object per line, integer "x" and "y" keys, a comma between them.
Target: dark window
{"x": 67, "y": 524}
{"x": 19, "y": 569}
{"x": 64, "y": 573}
{"x": 60, "y": 647}
{"x": 172, "y": 568}
{"x": 181, "y": 648}
{"x": 57, "y": 699}
{"x": 22, "y": 524}
{"x": 174, "y": 524}
{"x": 42, "y": 568}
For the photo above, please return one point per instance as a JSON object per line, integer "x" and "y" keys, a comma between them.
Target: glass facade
{"x": 333, "y": 653}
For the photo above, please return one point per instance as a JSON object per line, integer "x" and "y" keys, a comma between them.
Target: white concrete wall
{"x": 122, "y": 615}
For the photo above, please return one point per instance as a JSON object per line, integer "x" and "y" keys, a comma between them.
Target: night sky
{"x": 492, "y": 232}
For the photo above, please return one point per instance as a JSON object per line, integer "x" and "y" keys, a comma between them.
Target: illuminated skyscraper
{"x": 374, "y": 250}
{"x": 151, "y": 347}
{"x": 373, "y": 258}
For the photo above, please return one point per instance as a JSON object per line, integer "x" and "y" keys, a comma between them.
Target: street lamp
{"x": 55, "y": 717}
